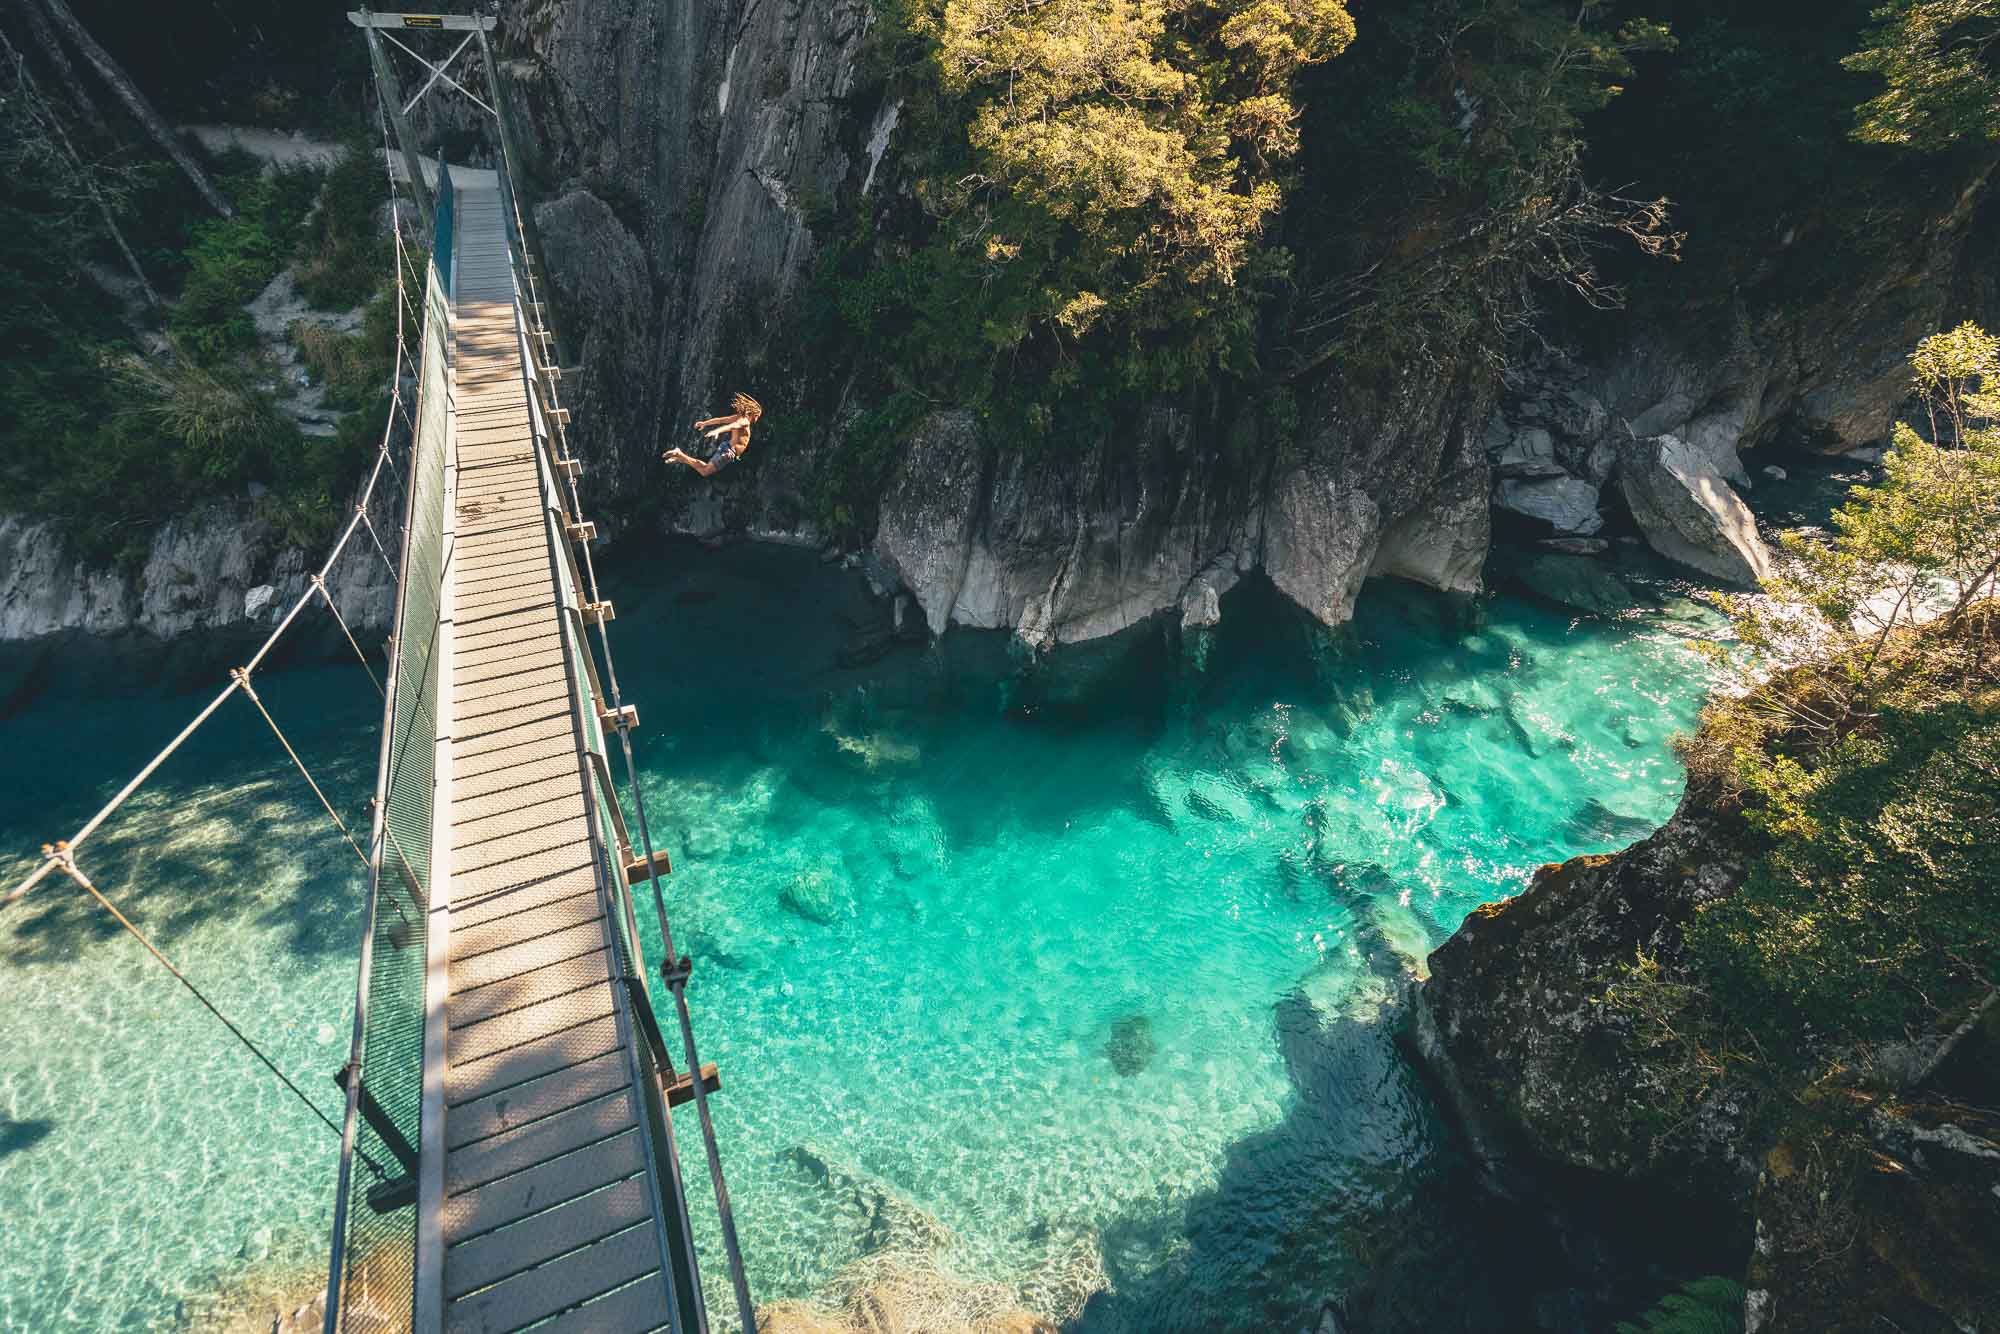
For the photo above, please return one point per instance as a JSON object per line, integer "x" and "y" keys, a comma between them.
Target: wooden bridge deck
{"x": 548, "y": 1202}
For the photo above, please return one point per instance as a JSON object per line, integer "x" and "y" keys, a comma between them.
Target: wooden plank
{"x": 636, "y": 1308}
{"x": 470, "y": 909}
{"x": 501, "y": 1254}
{"x": 489, "y": 1207}
{"x": 527, "y": 659}
{"x": 568, "y": 1087}
{"x": 477, "y": 636}
{"x": 478, "y": 614}
{"x": 531, "y": 1023}
{"x": 539, "y": 1141}
{"x": 545, "y": 680}
{"x": 488, "y": 709}
{"x": 504, "y": 618}
{"x": 476, "y": 887}
{"x": 515, "y": 773}
{"x": 485, "y": 937}
{"x": 570, "y": 1281}
{"x": 564, "y": 835}
{"x": 487, "y": 820}
{"x": 680, "y": 1090}
{"x": 495, "y": 744}
{"x": 537, "y": 746}
{"x": 521, "y": 1064}
{"x": 493, "y": 971}
{"x": 514, "y": 800}
{"x": 491, "y": 647}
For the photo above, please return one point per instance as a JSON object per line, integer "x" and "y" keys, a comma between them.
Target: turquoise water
{"x": 1095, "y": 982}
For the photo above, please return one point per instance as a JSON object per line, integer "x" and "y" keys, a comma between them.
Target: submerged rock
{"x": 1131, "y": 1046}
{"x": 1577, "y": 582}
{"x": 1594, "y": 822}
{"x": 883, "y": 1218}
{"x": 1576, "y": 546}
{"x": 819, "y": 895}
{"x": 903, "y": 1281}
{"x": 1688, "y": 511}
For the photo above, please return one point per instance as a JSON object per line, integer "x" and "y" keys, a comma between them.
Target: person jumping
{"x": 737, "y": 430}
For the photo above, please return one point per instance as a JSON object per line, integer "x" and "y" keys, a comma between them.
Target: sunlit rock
{"x": 1688, "y": 511}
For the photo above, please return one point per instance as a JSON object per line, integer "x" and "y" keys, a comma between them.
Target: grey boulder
{"x": 1688, "y": 511}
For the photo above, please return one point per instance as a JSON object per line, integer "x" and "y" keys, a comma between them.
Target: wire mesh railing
{"x": 371, "y": 1283}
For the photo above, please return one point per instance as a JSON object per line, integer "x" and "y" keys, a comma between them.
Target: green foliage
{"x": 1926, "y": 536}
{"x": 343, "y": 257}
{"x": 1871, "y": 762}
{"x": 1870, "y": 915}
{"x": 353, "y": 367}
{"x": 1444, "y": 181}
{"x": 1091, "y": 204}
{"x": 1746, "y": 126}
{"x": 1115, "y": 201}
{"x": 847, "y": 488}
{"x": 1712, "y": 1305}
{"x": 110, "y": 444}
{"x": 231, "y": 260}
{"x": 1941, "y": 61}
{"x": 1148, "y": 134}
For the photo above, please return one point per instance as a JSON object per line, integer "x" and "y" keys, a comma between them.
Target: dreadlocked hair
{"x": 747, "y": 406}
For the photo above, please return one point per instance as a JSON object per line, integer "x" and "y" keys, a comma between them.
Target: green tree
{"x": 1922, "y": 541}
{"x": 1101, "y": 178}
{"x": 1865, "y": 748}
{"x": 1941, "y": 60}
{"x": 1452, "y": 170}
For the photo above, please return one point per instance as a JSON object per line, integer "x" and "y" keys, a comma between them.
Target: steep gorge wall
{"x": 1573, "y": 1094}
{"x": 684, "y": 154}
{"x": 680, "y": 156}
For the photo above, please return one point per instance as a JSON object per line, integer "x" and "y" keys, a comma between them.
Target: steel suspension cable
{"x": 62, "y": 855}
{"x": 250, "y": 692}
{"x": 341, "y": 621}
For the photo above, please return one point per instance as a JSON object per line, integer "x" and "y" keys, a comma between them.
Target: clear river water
{"x": 1103, "y": 985}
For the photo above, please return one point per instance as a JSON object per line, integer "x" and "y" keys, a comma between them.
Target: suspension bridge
{"x": 507, "y": 1147}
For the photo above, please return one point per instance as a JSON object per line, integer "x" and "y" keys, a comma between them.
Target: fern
{"x": 1712, "y": 1305}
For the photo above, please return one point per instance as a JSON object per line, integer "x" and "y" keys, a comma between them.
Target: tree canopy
{"x": 1941, "y": 59}
{"x": 1125, "y": 154}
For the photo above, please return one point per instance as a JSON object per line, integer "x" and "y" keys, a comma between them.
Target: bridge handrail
{"x": 373, "y": 1253}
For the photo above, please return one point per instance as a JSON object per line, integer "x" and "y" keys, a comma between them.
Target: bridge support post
{"x": 390, "y": 90}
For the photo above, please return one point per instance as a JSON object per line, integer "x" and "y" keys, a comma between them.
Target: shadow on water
{"x": 19, "y": 1136}
{"x": 227, "y": 828}
{"x": 1357, "y": 1198}
{"x": 1359, "y": 1201}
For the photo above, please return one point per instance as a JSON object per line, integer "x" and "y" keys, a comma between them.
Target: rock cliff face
{"x": 1823, "y": 367}
{"x": 678, "y": 157}
{"x": 1516, "y": 996}
{"x": 216, "y": 572}
{"x": 680, "y": 153}
{"x": 683, "y": 153}
{"x": 1568, "y": 1096}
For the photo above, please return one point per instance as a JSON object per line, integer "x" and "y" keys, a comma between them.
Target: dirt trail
{"x": 278, "y": 147}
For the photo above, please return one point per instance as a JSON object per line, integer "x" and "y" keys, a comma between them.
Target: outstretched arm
{"x": 712, "y": 421}
{"x": 729, "y": 425}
